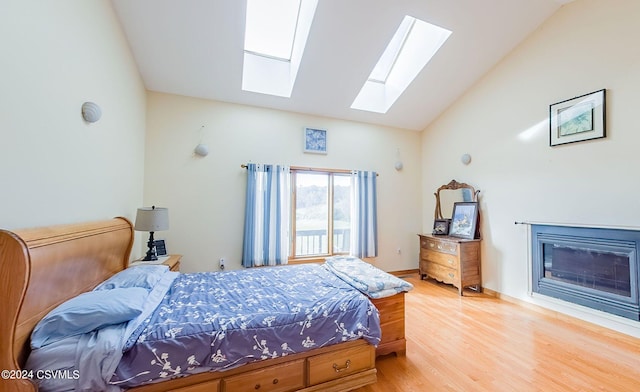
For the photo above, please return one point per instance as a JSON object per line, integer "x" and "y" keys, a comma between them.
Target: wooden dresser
{"x": 451, "y": 260}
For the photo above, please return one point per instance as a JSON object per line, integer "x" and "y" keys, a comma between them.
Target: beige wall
{"x": 503, "y": 123}
{"x": 206, "y": 196}
{"x": 54, "y": 167}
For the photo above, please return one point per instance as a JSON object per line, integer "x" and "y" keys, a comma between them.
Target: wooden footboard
{"x": 392, "y": 324}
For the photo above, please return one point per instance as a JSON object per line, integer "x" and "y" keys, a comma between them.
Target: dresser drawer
{"x": 210, "y": 386}
{"x": 281, "y": 378}
{"x": 439, "y": 245}
{"x": 443, "y": 274}
{"x": 444, "y": 259}
{"x": 336, "y": 364}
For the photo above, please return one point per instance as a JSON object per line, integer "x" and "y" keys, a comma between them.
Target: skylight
{"x": 412, "y": 46}
{"x": 384, "y": 66}
{"x": 276, "y": 33}
{"x": 271, "y": 27}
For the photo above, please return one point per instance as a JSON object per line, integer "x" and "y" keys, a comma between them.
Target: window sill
{"x": 307, "y": 260}
{"x": 313, "y": 259}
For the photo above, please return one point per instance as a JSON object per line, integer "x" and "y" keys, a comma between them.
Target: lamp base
{"x": 151, "y": 252}
{"x": 150, "y": 257}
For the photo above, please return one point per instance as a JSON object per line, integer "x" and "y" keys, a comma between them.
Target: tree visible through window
{"x": 322, "y": 213}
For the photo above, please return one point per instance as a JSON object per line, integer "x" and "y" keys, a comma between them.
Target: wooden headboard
{"x": 43, "y": 267}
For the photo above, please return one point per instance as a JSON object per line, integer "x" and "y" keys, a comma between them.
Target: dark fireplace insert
{"x": 593, "y": 267}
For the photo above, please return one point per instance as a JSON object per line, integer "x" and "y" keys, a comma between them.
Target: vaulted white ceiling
{"x": 195, "y": 48}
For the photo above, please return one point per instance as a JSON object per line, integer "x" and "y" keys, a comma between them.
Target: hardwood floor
{"x": 480, "y": 343}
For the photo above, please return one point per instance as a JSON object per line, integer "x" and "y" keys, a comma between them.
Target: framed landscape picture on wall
{"x": 577, "y": 119}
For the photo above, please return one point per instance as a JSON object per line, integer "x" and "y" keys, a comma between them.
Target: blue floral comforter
{"x": 231, "y": 318}
{"x": 370, "y": 280}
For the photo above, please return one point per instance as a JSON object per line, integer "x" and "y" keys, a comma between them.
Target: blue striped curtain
{"x": 267, "y": 210}
{"x": 364, "y": 220}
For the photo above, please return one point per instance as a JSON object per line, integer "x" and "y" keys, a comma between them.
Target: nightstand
{"x": 173, "y": 261}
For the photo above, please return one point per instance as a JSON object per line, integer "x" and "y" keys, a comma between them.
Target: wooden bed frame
{"x": 43, "y": 267}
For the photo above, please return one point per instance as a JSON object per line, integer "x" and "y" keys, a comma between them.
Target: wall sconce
{"x": 465, "y": 159}
{"x": 202, "y": 150}
{"x": 398, "y": 165}
{"x": 91, "y": 112}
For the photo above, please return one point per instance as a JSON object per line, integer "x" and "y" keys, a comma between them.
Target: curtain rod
{"x": 312, "y": 169}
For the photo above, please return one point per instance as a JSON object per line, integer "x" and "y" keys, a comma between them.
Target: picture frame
{"x": 464, "y": 220}
{"x": 315, "y": 141}
{"x": 441, "y": 227}
{"x": 161, "y": 248}
{"x": 578, "y": 119}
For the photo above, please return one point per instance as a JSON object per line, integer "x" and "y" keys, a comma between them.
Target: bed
{"x": 42, "y": 268}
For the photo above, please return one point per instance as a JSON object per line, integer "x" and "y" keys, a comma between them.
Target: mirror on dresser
{"x": 453, "y": 192}
{"x": 446, "y": 258}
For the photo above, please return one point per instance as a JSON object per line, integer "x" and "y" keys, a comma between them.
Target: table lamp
{"x": 151, "y": 219}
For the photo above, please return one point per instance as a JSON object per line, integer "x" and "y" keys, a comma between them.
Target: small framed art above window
{"x": 315, "y": 140}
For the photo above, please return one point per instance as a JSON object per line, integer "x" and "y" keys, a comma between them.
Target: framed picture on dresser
{"x": 441, "y": 227}
{"x": 464, "y": 220}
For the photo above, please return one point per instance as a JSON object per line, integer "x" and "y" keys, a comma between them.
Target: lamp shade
{"x": 152, "y": 219}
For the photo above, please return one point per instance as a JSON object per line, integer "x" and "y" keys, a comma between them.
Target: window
{"x": 271, "y": 28}
{"x": 321, "y": 217}
{"x": 412, "y": 46}
{"x": 276, "y": 33}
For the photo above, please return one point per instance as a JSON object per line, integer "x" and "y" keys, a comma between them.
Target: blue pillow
{"x": 145, "y": 276}
{"x": 88, "y": 312}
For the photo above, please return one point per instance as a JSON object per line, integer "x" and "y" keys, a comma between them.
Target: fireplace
{"x": 593, "y": 267}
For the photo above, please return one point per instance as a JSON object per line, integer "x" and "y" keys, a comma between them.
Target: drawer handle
{"x": 451, "y": 274}
{"x": 257, "y": 386}
{"x": 431, "y": 245}
{"x": 439, "y": 246}
{"x": 338, "y": 369}
{"x": 275, "y": 381}
{"x": 450, "y": 261}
